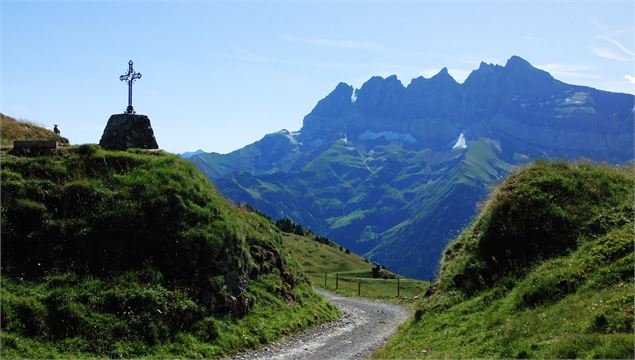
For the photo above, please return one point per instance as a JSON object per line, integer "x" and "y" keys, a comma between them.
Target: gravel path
{"x": 363, "y": 326}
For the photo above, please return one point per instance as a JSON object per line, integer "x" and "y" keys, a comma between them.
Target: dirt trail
{"x": 363, "y": 326}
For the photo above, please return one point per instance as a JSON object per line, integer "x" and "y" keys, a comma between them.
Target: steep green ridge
{"x": 545, "y": 271}
{"x": 12, "y": 129}
{"x": 387, "y": 204}
{"x": 127, "y": 254}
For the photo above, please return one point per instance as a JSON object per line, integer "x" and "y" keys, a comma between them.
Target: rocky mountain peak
{"x": 443, "y": 77}
{"x": 337, "y": 101}
{"x": 379, "y": 94}
{"x": 518, "y": 62}
{"x": 378, "y": 83}
{"x": 517, "y": 76}
{"x": 341, "y": 88}
{"x": 522, "y": 68}
{"x": 442, "y": 74}
{"x": 440, "y": 80}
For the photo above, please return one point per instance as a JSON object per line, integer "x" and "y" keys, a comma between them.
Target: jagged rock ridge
{"x": 394, "y": 171}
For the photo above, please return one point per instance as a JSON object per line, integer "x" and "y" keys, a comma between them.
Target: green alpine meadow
{"x": 544, "y": 271}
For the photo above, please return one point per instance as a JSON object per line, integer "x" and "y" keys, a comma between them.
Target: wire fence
{"x": 369, "y": 287}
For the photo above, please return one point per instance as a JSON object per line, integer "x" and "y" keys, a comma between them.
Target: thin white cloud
{"x": 241, "y": 54}
{"x": 620, "y": 46}
{"x": 533, "y": 39}
{"x": 630, "y": 78}
{"x": 340, "y": 44}
{"x": 609, "y": 54}
{"x": 619, "y": 52}
{"x": 568, "y": 70}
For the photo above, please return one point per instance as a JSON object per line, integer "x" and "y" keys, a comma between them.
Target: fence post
{"x": 325, "y": 280}
{"x": 397, "y": 286}
{"x": 359, "y": 287}
{"x": 337, "y": 280}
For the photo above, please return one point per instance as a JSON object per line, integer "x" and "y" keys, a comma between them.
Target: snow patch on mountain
{"x": 289, "y": 135}
{"x": 460, "y": 143}
{"x": 387, "y": 135}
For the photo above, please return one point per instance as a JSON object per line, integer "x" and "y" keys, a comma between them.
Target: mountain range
{"x": 394, "y": 172}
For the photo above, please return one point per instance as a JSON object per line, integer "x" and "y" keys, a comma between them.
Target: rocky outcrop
{"x": 125, "y": 131}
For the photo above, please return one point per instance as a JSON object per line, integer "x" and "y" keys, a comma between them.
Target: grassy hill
{"x": 317, "y": 258}
{"x": 545, "y": 271}
{"x": 131, "y": 254}
{"x": 346, "y": 269}
{"x": 12, "y": 129}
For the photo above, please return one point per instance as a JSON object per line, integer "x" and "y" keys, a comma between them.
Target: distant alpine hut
{"x": 128, "y": 130}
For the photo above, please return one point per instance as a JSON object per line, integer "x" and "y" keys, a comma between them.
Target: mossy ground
{"x": 571, "y": 299}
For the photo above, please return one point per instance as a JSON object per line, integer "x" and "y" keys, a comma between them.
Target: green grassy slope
{"x": 129, "y": 254}
{"x": 381, "y": 203}
{"x": 444, "y": 204}
{"x": 12, "y": 129}
{"x": 315, "y": 259}
{"x": 545, "y": 271}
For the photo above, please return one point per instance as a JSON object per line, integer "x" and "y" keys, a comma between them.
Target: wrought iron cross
{"x": 130, "y": 77}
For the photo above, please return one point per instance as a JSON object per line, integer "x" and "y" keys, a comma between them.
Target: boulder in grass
{"x": 125, "y": 131}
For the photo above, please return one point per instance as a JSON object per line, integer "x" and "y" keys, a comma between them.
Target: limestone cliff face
{"x": 525, "y": 108}
{"x": 125, "y": 131}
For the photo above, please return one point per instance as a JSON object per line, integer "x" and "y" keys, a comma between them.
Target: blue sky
{"x": 220, "y": 75}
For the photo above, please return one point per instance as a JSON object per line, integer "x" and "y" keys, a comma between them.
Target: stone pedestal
{"x": 125, "y": 131}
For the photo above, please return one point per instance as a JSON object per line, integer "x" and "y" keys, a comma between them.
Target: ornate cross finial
{"x": 130, "y": 77}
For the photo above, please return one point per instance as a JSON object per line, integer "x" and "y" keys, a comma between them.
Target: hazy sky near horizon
{"x": 218, "y": 75}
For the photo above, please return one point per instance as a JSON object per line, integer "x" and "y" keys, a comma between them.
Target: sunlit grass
{"x": 571, "y": 297}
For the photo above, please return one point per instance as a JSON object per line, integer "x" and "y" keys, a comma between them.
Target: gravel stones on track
{"x": 363, "y": 326}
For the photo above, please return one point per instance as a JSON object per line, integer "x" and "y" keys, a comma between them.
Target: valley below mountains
{"x": 394, "y": 172}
